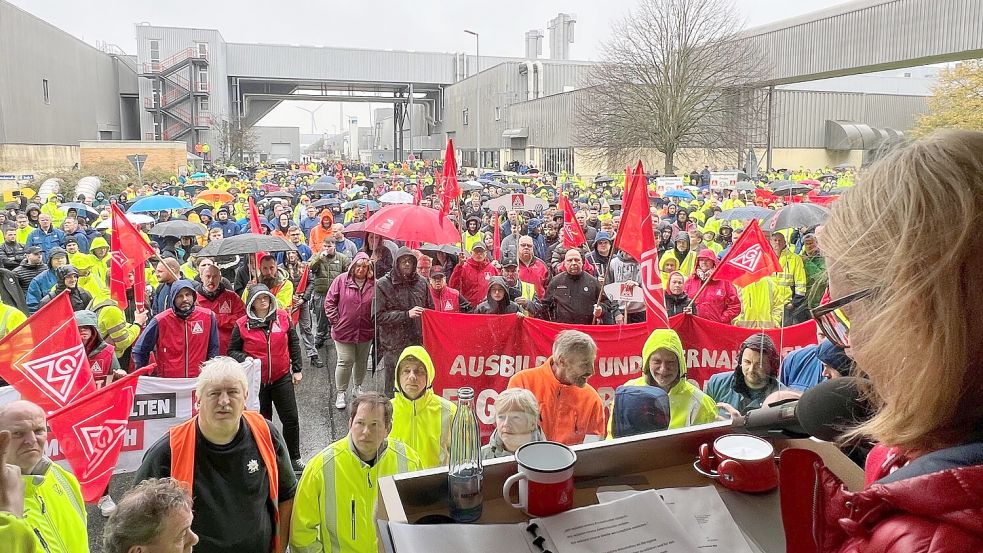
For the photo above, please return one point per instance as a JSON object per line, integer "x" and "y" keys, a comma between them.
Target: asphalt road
{"x": 320, "y": 424}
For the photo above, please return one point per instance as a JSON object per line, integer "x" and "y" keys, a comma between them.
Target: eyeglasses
{"x": 831, "y": 320}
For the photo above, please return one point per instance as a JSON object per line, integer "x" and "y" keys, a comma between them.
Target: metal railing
{"x": 178, "y": 57}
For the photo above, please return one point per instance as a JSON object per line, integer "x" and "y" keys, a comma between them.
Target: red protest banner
{"x": 484, "y": 351}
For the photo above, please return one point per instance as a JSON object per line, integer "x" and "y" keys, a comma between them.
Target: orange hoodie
{"x": 319, "y": 233}
{"x": 568, "y": 413}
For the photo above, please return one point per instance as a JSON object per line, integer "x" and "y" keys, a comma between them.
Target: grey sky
{"x": 424, "y": 25}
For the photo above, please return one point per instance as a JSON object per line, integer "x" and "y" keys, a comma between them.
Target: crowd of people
{"x": 364, "y": 296}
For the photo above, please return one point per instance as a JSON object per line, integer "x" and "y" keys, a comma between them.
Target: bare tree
{"x": 234, "y": 141}
{"x": 675, "y": 74}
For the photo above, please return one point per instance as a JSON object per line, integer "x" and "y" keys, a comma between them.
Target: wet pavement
{"x": 320, "y": 424}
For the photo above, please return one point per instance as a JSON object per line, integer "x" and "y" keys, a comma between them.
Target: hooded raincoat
{"x": 423, "y": 423}
{"x": 719, "y": 301}
{"x": 349, "y": 307}
{"x": 688, "y": 406}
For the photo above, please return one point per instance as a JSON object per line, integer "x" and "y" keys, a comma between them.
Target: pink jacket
{"x": 349, "y": 309}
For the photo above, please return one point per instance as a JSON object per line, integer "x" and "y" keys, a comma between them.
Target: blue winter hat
{"x": 602, "y": 235}
{"x": 835, "y": 357}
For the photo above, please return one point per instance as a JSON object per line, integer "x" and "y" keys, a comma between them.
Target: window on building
{"x": 154, "y": 51}
{"x": 498, "y": 113}
{"x": 44, "y": 89}
{"x": 203, "y": 104}
{"x": 203, "y": 80}
{"x": 464, "y": 116}
{"x": 201, "y": 48}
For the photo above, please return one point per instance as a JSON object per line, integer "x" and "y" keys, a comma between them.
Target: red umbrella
{"x": 413, "y": 223}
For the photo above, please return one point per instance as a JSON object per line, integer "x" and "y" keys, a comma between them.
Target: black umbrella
{"x": 795, "y": 216}
{"x": 470, "y": 186}
{"x": 744, "y": 213}
{"x": 515, "y": 186}
{"x": 178, "y": 228}
{"x": 327, "y": 202}
{"x": 602, "y": 179}
{"x": 787, "y": 187}
{"x": 745, "y": 186}
{"x": 280, "y": 194}
{"x": 325, "y": 187}
{"x": 449, "y": 249}
{"x": 245, "y": 244}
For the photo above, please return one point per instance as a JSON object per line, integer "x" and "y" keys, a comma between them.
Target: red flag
{"x": 497, "y": 249}
{"x": 750, "y": 258}
{"x": 299, "y": 291}
{"x": 129, "y": 253}
{"x": 44, "y": 359}
{"x": 418, "y": 193}
{"x": 637, "y": 238}
{"x": 573, "y": 235}
{"x": 451, "y": 190}
{"x": 254, "y": 227}
{"x": 91, "y": 429}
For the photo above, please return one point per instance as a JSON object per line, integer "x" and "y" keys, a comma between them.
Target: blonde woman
{"x": 516, "y": 423}
{"x": 915, "y": 331}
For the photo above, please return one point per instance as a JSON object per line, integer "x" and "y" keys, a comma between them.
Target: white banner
{"x": 665, "y": 184}
{"x": 160, "y": 403}
{"x": 723, "y": 180}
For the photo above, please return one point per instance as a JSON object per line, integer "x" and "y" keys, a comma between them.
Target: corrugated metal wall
{"x": 550, "y": 120}
{"x": 83, "y": 97}
{"x": 800, "y": 116}
{"x": 861, "y": 37}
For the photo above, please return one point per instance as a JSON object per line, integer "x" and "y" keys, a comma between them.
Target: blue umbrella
{"x": 360, "y": 202}
{"x": 681, "y": 194}
{"x": 81, "y": 209}
{"x": 158, "y": 203}
{"x": 200, "y": 176}
{"x": 326, "y": 179}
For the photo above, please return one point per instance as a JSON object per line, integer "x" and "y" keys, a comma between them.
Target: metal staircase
{"x": 176, "y": 89}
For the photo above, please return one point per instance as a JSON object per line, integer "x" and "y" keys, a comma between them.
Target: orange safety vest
{"x": 183, "y": 458}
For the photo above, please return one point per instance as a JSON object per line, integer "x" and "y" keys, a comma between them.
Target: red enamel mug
{"x": 545, "y": 479}
{"x": 740, "y": 462}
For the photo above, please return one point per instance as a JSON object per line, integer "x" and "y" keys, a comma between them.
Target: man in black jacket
{"x": 32, "y": 266}
{"x": 572, "y": 296}
{"x": 11, "y": 252}
{"x": 400, "y": 298}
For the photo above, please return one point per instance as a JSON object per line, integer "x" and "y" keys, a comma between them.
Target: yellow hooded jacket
{"x": 424, "y": 424}
{"x": 688, "y": 405}
{"x": 54, "y": 509}
{"x": 334, "y": 509}
{"x": 112, "y": 324}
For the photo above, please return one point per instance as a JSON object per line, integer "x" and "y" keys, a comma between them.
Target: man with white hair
{"x": 53, "y": 504}
{"x": 571, "y": 409}
{"x": 235, "y": 463}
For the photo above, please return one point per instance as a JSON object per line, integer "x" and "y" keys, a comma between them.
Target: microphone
{"x": 824, "y": 412}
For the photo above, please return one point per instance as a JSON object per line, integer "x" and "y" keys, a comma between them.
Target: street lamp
{"x": 477, "y": 110}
